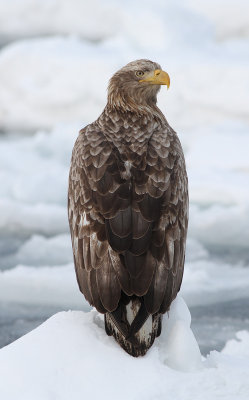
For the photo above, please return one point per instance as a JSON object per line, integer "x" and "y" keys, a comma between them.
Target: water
{"x": 212, "y": 324}
{"x": 16, "y": 320}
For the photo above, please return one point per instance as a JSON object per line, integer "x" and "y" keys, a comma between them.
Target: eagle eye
{"x": 139, "y": 73}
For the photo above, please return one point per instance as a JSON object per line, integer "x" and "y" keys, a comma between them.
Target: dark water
{"x": 16, "y": 320}
{"x": 212, "y": 324}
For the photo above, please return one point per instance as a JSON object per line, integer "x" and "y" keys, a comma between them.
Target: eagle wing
{"x": 128, "y": 228}
{"x": 168, "y": 182}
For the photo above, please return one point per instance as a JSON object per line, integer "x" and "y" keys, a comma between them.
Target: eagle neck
{"x": 130, "y": 132}
{"x": 150, "y": 112}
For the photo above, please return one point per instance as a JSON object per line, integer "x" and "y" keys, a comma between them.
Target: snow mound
{"x": 50, "y": 75}
{"x": 231, "y": 20}
{"x": 61, "y": 78}
{"x": 77, "y": 360}
{"x": 48, "y": 283}
{"x": 32, "y": 17}
{"x": 177, "y": 345}
{"x": 55, "y": 286}
{"x": 238, "y": 346}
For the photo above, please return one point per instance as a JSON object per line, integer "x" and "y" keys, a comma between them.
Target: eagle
{"x": 128, "y": 208}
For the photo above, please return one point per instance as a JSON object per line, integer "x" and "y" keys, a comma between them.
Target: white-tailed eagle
{"x": 128, "y": 208}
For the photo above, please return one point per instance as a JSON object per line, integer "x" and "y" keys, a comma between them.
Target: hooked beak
{"x": 157, "y": 77}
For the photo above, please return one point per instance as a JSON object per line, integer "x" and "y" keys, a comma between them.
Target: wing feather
{"x": 93, "y": 287}
{"x": 142, "y": 282}
{"x": 108, "y": 285}
{"x": 155, "y": 295}
{"x": 128, "y": 231}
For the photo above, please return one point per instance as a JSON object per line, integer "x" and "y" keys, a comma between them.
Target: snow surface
{"x": 70, "y": 356}
{"x": 55, "y": 62}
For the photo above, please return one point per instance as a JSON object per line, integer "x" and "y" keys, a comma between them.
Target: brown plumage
{"x": 128, "y": 208}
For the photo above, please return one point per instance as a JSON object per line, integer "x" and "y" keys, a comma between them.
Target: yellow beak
{"x": 157, "y": 77}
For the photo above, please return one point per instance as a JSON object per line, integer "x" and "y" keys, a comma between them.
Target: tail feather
{"x": 133, "y": 327}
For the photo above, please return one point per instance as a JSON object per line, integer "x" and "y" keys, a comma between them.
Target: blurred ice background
{"x": 56, "y": 57}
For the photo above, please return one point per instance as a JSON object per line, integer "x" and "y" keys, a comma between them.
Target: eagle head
{"x": 136, "y": 85}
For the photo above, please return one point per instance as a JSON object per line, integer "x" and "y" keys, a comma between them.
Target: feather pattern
{"x": 128, "y": 211}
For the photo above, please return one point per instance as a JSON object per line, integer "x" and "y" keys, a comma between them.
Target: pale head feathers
{"x": 126, "y": 93}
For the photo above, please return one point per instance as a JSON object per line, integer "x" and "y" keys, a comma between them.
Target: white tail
{"x": 137, "y": 343}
